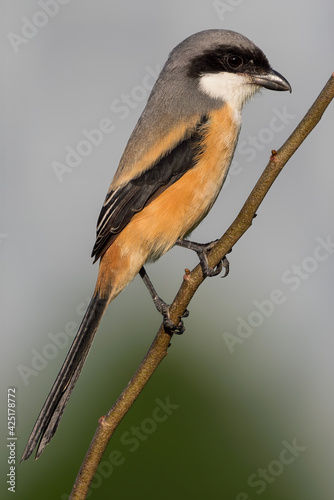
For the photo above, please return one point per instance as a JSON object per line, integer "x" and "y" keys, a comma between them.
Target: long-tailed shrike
{"x": 168, "y": 178}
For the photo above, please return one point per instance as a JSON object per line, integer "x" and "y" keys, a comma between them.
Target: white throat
{"x": 234, "y": 89}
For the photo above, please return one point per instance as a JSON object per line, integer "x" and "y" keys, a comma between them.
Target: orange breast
{"x": 181, "y": 207}
{"x": 176, "y": 211}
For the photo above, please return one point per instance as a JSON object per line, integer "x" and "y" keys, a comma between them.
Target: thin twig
{"x": 191, "y": 282}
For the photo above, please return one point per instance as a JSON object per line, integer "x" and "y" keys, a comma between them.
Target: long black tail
{"x": 54, "y": 406}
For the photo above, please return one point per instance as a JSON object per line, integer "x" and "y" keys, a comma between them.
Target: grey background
{"x": 235, "y": 409}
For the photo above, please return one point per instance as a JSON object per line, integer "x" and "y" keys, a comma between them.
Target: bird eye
{"x": 234, "y": 62}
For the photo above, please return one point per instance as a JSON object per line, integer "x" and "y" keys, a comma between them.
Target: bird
{"x": 169, "y": 176}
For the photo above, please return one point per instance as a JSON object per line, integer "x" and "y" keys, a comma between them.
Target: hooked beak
{"x": 272, "y": 80}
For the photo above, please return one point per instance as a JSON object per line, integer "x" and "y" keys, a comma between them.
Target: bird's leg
{"x": 161, "y": 306}
{"x": 201, "y": 249}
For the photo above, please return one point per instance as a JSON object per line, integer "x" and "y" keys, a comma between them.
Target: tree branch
{"x": 191, "y": 281}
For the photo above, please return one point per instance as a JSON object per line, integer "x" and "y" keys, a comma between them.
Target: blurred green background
{"x": 236, "y": 412}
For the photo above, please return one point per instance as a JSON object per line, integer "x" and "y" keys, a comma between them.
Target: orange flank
{"x": 176, "y": 211}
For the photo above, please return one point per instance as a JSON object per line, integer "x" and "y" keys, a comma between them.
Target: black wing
{"x": 121, "y": 204}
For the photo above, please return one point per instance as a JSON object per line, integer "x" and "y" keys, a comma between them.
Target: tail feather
{"x": 54, "y": 406}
